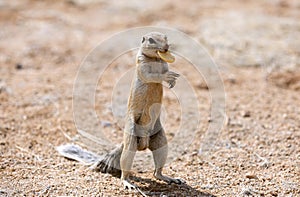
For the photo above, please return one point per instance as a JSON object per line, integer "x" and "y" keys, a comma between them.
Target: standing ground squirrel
{"x": 143, "y": 128}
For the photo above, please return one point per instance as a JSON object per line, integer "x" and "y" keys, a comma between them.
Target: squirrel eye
{"x": 143, "y": 40}
{"x": 151, "y": 41}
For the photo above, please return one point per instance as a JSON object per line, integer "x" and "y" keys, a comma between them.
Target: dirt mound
{"x": 289, "y": 79}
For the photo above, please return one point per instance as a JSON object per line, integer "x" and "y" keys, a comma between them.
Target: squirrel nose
{"x": 166, "y": 48}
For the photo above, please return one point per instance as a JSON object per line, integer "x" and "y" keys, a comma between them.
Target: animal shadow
{"x": 157, "y": 188}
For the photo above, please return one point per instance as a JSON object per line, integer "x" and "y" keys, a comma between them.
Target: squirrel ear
{"x": 143, "y": 40}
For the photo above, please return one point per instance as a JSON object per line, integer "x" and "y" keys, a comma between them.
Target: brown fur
{"x": 143, "y": 128}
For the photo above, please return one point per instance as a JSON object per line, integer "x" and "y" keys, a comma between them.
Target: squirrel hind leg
{"x": 110, "y": 163}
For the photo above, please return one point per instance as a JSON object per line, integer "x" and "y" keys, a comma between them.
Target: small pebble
{"x": 251, "y": 176}
{"x": 274, "y": 193}
{"x": 106, "y": 124}
{"x": 246, "y": 114}
{"x": 19, "y": 66}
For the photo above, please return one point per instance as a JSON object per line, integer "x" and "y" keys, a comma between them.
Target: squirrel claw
{"x": 172, "y": 84}
{"x": 128, "y": 185}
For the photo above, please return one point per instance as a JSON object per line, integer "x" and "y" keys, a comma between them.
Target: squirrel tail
{"x": 75, "y": 152}
{"x": 109, "y": 163}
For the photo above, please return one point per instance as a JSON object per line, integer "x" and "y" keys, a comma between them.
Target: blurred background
{"x": 256, "y": 45}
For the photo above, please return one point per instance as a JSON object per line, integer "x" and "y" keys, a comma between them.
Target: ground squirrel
{"x": 143, "y": 128}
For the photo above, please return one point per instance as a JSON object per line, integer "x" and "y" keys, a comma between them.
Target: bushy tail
{"x": 75, "y": 152}
{"x": 109, "y": 163}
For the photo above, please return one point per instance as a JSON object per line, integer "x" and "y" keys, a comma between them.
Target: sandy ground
{"x": 255, "y": 44}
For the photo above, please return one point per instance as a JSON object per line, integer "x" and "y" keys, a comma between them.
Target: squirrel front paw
{"x": 171, "y": 77}
{"x": 172, "y": 84}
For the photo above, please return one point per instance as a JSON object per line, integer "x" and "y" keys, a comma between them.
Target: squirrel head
{"x": 154, "y": 42}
